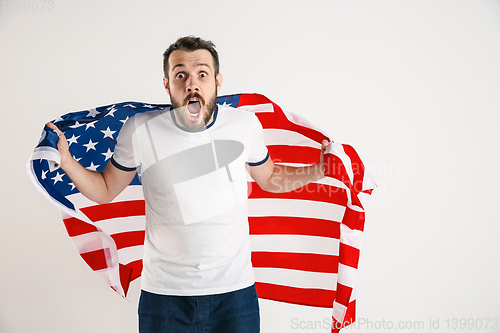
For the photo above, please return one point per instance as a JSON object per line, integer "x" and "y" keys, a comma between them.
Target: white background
{"x": 414, "y": 86}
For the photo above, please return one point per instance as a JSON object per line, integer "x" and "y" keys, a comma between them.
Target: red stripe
{"x": 284, "y": 225}
{"x": 115, "y": 210}
{"x": 129, "y": 238}
{"x": 76, "y": 227}
{"x": 125, "y": 273}
{"x": 349, "y": 255}
{"x": 302, "y": 296}
{"x": 354, "y": 219}
{"x": 293, "y": 154}
{"x": 310, "y": 262}
{"x": 313, "y": 191}
{"x": 129, "y": 273}
{"x": 252, "y": 99}
{"x": 136, "y": 267}
{"x": 343, "y": 294}
{"x": 95, "y": 259}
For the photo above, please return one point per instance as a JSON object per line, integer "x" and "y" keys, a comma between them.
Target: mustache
{"x": 191, "y": 95}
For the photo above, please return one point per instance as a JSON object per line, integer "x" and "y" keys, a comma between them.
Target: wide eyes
{"x": 182, "y": 75}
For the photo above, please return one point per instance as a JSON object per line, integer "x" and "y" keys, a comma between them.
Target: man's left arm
{"x": 281, "y": 178}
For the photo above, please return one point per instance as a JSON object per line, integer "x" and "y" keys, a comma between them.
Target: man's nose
{"x": 192, "y": 84}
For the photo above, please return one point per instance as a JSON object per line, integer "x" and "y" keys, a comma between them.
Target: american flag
{"x": 305, "y": 243}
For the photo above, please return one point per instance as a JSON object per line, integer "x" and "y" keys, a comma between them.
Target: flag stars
{"x": 93, "y": 113}
{"x": 57, "y": 178}
{"x": 108, "y": 133}
{"x": 112, "y": 112}
{"x": 107, "y": 154}
{"x": 124, "y": 120}
{"x": 44, "y": 174}
{"x": 72, "y": 186}
{"x": 76, "y": 125}
{"x": 91, "y": 124}
{"x": 90, "y": 145}
{"x": 73, "y": 139}
{"x": 92, "y": 167}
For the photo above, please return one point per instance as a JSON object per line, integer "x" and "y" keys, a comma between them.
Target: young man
{"x": 197, "y": 271}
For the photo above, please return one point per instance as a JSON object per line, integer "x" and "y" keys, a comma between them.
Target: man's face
{"x": 192, "y": 86}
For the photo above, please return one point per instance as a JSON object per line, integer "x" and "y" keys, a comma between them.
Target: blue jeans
{"x": 232, "y": 312}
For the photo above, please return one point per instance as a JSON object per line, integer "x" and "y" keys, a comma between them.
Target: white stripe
{"x": 129, "y": 254}
{"x": 110, "y": 276}
{"x": 268, "y": 107}
{"x": 294, "y": 244}
{"x": 347, "y": 275}
{"x": 93, "y": 241}
{"x": 368, "y": 182}
{"x": 122, "y": 224}
{"x": 288, "y": 138}
{"x": 339, "y": 312}
{"x": 338, "y": 150}
{"x": 295, "y": 278}
{"x": 132, "y": 192}
{"x": 295, "y": 208}
{"x": 302, "y": 122}
{"x": 350, "y": 236}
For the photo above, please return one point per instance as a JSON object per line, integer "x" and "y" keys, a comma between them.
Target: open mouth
{"x": 194, "y": 108}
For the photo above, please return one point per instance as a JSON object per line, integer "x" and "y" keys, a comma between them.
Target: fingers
{"x": 324, "y": 144}
{"x": 55, "y": 128}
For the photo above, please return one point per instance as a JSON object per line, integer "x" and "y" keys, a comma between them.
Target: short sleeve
{"x": 257, "y": 151}
{"x": 125, "y": 156}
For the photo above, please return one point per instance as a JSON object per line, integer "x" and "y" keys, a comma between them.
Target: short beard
{"x": 210, "y": 107}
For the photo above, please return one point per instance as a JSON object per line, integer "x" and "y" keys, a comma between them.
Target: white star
{"x": 91, "y": 145}
{"x": 125, "y": 120}
{"x": 57, "y": 178}
{"x": 92, "y": 167}
{"x": 108, "y": 154}
{"x": 224, "y": 104}
{"x": 111, "y": 112}
{"x": 148, "y": 106}
{"x": 93, "y": 113}
{"x": 108, "y": 133}
{"x": 44, "y": 174}
{"x": 130, "y": 105}
{"x": 58, "y": 119}
{"x": 76, "y": 125}
{"x": 77, "y": 159}
{"x": 91, "y": 124}
{"x": 72, "y": 186}
{"x": 73, "y": 139}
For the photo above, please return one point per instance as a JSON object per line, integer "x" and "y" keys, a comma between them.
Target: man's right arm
{"x": 101, "y": 187}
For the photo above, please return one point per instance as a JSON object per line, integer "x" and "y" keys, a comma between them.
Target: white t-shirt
{"x": 195, "y": 188}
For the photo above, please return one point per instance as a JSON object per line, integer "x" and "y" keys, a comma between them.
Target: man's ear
{"x": 218, "y": 81}
{"x": 165, "y": 84}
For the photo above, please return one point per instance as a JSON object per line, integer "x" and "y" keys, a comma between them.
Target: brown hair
{"x": 190, "y": 44}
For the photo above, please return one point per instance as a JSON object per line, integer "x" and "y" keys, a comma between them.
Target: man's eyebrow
{"x": 197, "y": 65}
